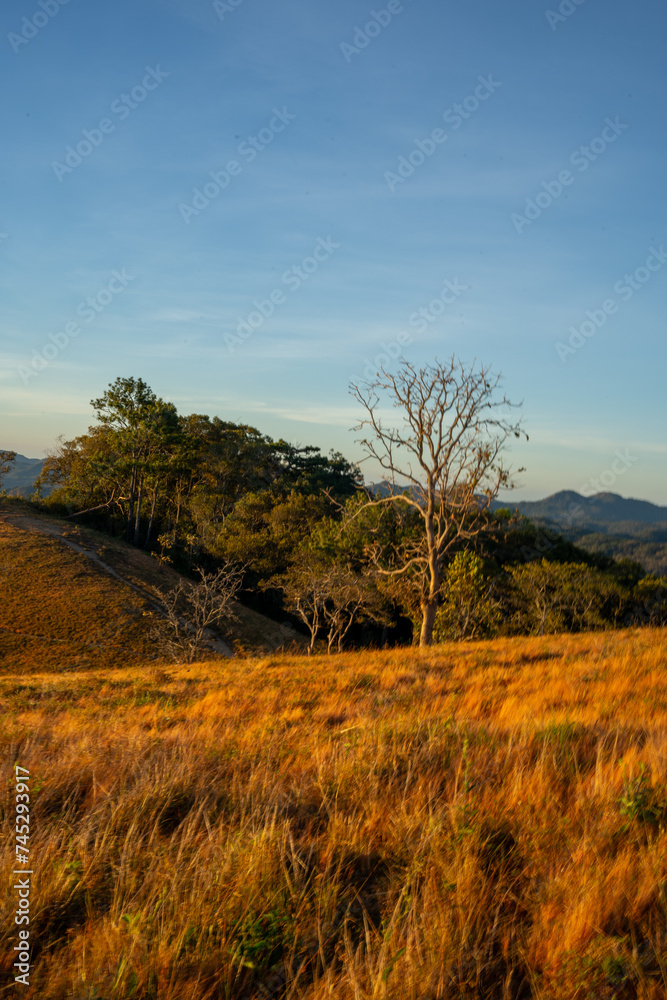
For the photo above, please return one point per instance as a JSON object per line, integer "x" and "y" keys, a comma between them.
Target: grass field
{"x": 482, "y": 820}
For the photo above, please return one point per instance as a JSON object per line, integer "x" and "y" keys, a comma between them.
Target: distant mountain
{"x": 616, "y": 526}
{"x": 21, "y": 477}
{"x": 607, "y": 523}
{"x": 382, "y": 489}
{"x": 603, "y": 510}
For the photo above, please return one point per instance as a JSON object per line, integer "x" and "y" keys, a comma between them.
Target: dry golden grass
{"x": 60, "y": 608}
{"x": 405, "y": 824}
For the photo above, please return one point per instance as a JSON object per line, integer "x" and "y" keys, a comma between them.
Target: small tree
{"x": 447, "y": 451}
{"x": 329, "y": 598}
{"x": 468, "y": 610}
{"x": 352, "y": 598}
{"x": 7, "y": 459}
{"x": 190, "y": 611}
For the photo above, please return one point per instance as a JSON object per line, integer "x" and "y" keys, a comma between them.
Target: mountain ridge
{"x": 573, "y": 507}
{"x": 606, "y": 523}
{"x": 19, "y": 481}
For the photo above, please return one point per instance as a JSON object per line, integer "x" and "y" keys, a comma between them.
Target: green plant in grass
{"x": 641, "y": 802}
{"x": 262, "y": 940}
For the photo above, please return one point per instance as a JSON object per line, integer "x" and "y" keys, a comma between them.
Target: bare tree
{"x": 352, "y": 598}
{"x": 190, "y": 612}
{"x": 447, "y": 453}
{"x": 329, "y": 599}
{"x": 306, "y": 591}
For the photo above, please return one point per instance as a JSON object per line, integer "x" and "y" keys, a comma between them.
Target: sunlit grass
{"x": 60, "y": 609}
{"x": 403, "y": 824}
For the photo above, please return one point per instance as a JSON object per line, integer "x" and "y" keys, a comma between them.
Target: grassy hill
{"x": 74, "y": 598}
{"x": 482, "y": 820}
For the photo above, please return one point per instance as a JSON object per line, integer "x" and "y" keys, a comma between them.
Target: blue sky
{"x": 171, "y": 91}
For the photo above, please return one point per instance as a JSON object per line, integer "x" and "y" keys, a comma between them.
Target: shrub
{"x": 468, "y": 610}
{"x": 182, "y": 629}
{"x": 559, "y": 597}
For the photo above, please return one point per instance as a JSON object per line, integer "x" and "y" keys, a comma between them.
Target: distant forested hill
{"x": 602, "y": 510}
{"x": 21, "y": 477}
{"x": 607, "y": 523}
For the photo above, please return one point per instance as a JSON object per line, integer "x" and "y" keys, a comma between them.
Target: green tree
{"x": 144, "y": 428}
{"x": 265, "y": 530}
{"x": 467, "y": 610}
{"x": 649, "y": 602}
{"x": 7, "y": 459}
{"x": 562, "y": 597}
{"x": 80, "y": 474}
{"x": 308, "y": 471}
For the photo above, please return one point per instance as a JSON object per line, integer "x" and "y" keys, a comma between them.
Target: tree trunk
{"x": 137, "y": 521}
{"x": 429, "y": 611}
{"x": 178, "y": 509}
{"x": 429, "y": 605}
{"x": 150, "y": 522}
{"x": 130, "y": 509}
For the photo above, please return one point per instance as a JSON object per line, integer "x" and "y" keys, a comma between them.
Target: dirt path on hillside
{"x": 36, "y": 524}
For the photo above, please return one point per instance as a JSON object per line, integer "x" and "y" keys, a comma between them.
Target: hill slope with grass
{"x": 75, "y": 598}
{"x": 484, "y": 821}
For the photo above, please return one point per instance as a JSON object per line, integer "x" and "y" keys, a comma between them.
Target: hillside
{"x": 604, "y": 510}
{"x": 74, "y": 598}
{"x": 643, "y": 544}
{"x": 484, "y": 821}
{"x": 620, "y": 527}
{"x": 20, "y": 479}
